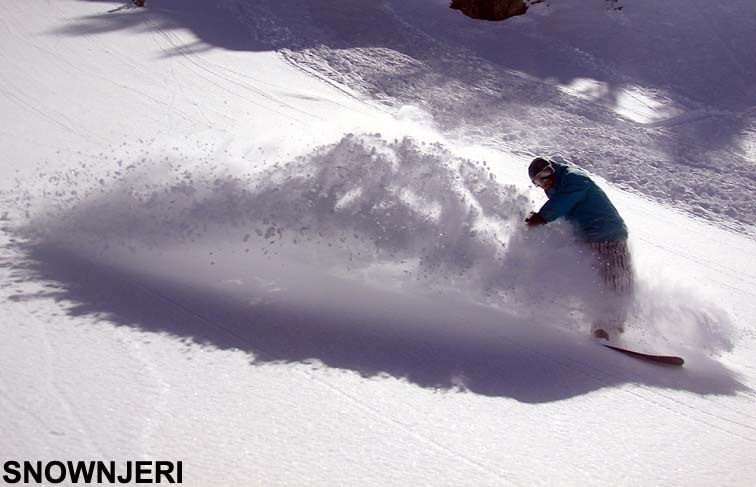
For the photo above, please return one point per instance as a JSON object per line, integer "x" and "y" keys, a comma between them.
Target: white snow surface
{"x": 283, "y": 241}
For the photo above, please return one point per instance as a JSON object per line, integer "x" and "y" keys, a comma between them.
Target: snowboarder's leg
{"x": 615, "y": 270}
{"x": 614, "y": 265}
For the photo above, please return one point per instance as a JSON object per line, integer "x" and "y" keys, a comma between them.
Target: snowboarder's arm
{"x": 571, "y": 192}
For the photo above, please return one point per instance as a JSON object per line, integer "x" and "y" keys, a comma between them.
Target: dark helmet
{"x": 538, "y": 164}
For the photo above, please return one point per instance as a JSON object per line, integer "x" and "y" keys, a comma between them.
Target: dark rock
{"x": 490, "y": 9}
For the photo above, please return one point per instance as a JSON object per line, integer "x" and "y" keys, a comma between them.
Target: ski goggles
{"x": 543, "y": 176}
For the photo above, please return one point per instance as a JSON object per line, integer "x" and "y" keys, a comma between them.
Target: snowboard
{"x": 659, "y": 359}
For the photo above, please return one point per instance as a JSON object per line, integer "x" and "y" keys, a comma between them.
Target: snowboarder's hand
{"x": 534, "y": 220}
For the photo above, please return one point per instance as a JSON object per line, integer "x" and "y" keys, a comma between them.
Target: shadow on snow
{"x": 495, "y": 356}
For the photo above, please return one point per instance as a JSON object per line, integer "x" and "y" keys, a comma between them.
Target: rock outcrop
{"x": 490, "y": 9}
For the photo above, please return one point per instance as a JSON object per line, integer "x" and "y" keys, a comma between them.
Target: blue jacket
{"x": 581, "y": 202}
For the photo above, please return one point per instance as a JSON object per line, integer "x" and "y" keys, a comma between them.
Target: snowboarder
{"x": 139, "y": 3}
{"x": 576, "y": 197}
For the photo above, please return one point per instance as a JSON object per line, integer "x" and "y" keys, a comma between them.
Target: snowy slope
{"x": 659, "y": 87}
{"x": 283, "y": 242}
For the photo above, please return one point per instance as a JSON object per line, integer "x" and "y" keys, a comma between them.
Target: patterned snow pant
{"x": 612, "y": 261}
{"x": 614, "y": 267}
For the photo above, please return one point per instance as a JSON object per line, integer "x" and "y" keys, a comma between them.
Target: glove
{"x": 535, "y": 219}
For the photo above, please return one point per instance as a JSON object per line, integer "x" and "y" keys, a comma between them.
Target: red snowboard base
{"x": 659, "y": 359}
